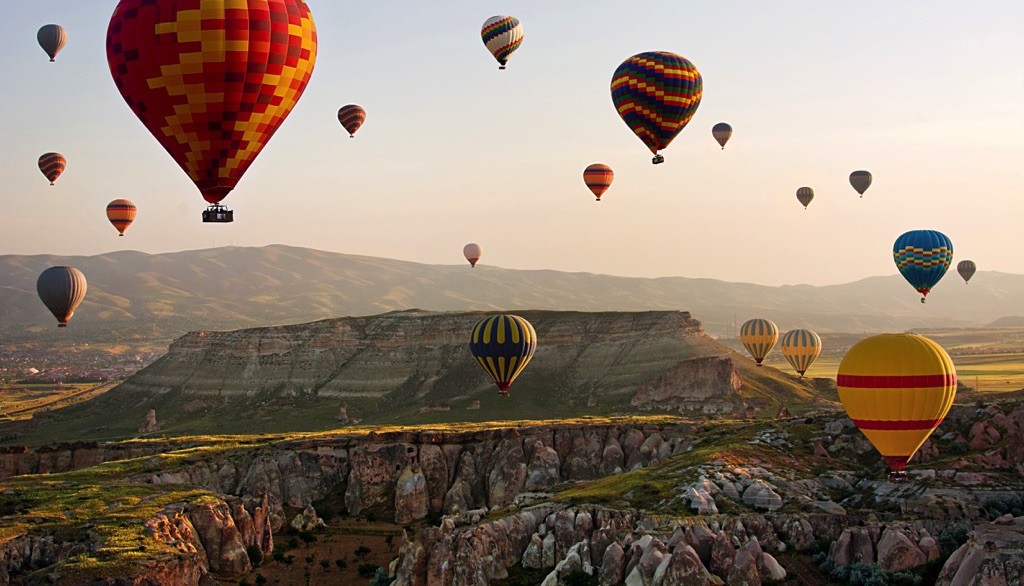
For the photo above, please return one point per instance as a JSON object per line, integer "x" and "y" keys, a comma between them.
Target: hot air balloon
{"x": 861, "y": 181}
{"x": 804, "y": 195}
{"x": 656, "y": 94}
{"x": 52, "y": 38}
{"x": 61, "y": 289}
{"x": 121, "y": 213}
{"x": 503, "y": 344}
{"x": 721, "y": 131}
{"x": 598, "y": 178}
{"x": 52, "y": 165}
{"x": 351, "y": 118}
{"x": 896, "y": 388}
{"x": 923, "y": 256}
{"x": 212, "y": 85}
{"x": 502, "y": 35}
{"x": 801, "y": 347}
{"x": 758, "y": 337}
{"x": 966, "y": 268}
{"x": 473, "y": 252}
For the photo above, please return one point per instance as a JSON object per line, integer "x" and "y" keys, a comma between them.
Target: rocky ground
{"x": 644, "y": 501}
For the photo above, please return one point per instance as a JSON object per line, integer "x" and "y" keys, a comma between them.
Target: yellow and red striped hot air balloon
{"x": 801, "y": 347}
{"x": 598, "y": 178}
{"x": 896, "y": 388}
{"x": 758, "y": 337}
{"x": 121, "y": 213}
{"x": 52, "y": 165}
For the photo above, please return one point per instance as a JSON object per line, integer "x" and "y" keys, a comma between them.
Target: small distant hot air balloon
{"x": 598, "y": 178}
{"x": 758, "y": 337}
{"x": 922, "y": 257}
{"x": 656, "y": 94}
{"x": 212, "y": 84}
{"x": 861, "y": 181}
{"x": 351, "y": 118}
{"x": 52, "y": 38}
{"x": 61, "y": 289}
{"x": 804, "y": 195}
{"x": 896, "y": 388}
{"x": 721, "y": 131}
{"x": 121, "y": 213}
{"x": 503, "y": 344}
{"x": 52, "y": 165}
{"x": 502, "y": 35}
{"x": 801, "y": 347}
{"x": 966, "y": 268}
{"x": 472, "y": 252}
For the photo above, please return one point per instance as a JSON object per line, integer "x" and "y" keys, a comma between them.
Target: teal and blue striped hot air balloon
{"x": 503, "y": 344}
{"x": 923, "y": 256}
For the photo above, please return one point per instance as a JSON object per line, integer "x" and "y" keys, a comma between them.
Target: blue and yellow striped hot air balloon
{"x": 923, "y": 256}
{"x": 758, "y": 337}
{"x": 896, "y": 388}
{"x": 801, "y": 347}
{"x": 503, "y": 344}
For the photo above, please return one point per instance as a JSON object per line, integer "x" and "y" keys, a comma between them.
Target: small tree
{"x": 362, "y": 551}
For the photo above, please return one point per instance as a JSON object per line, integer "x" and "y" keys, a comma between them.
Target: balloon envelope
{"x": 721, "y": 131}
{"x": 922, "y": 257}
{"x": 502, "y": 35}
{"x": 351, "y": 118}
{"x": 758, "y": 337}
{"x": 121, "y": 213}
{"x": 211, "y": 85}
{"x": 801, "y": 348}
{"x": 804, "y": 195}
{"x": 598, "y": 178}
{"x": 860, "y": 180}
{"x": 61, "y": 289}
{"x": 472, "y": 252}
{"x": 503, "y": 344}
{"x": 656, "y": 94}
{"x": 52, "y": 38}
{"x": 52, "y": 165}
{"x": 966, "y": 268}
{"x": 896, "y": 388}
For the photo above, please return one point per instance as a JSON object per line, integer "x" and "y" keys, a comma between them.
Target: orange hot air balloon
{"x": 52, "y": 165}
{"x": 598, "y": 178}
{"x": 351, "y": 118}
{"x": 896, "y": 388}
{"x": 472, "y": 252}
{"x": 121, "y": 213}
{"x": 212, "y": 80}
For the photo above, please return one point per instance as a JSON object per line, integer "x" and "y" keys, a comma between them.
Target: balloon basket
{"x": 658, "y": 159}
{"x": 898, "y": 476}
{"x": 218, "y": 214}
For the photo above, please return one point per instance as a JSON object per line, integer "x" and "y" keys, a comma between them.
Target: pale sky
{"x": 928, "y": 96}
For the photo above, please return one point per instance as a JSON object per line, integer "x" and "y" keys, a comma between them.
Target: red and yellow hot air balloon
{"x": 121, "y": 213}
{"x": 598, "y": 178}
{"x": 351, "y": 117}
{"x": 896, "y": 388}
{"x": 52, "y": 165}
{"x": 212, "y": 80}
{"x": 758, "y": 336}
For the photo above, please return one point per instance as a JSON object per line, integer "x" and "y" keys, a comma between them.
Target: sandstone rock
{"x": 533, "y": 557}
{"x": 216, "y": 530}
{"x": 612, "y": 566}
{"x": 686, "y": 568}
{"x": 150, "y": 425}
{"x": 830, "y": 507}
{"x": 853, "y": 545}
{"x": 548, "y": 551}
{"x": 770, "y": 569}
{"x": 612, "y": 458}
{"x": 342, "y": 416}
{"x": 412, "y": 502}
{"x": 701, "y": 539}
{"x": 762, "y": 495}
{"x": 723, "y": 555}
{"x": 992, "y": 556}
{"x": 544, "y": 468}
{"x": 744, "y": 570}
{"x": 307, "y": 520}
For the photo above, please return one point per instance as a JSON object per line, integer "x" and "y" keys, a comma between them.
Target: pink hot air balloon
{"x": 472, "y": 252}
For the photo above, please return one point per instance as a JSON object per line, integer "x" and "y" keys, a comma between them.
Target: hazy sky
{"x": 928, "y": 96}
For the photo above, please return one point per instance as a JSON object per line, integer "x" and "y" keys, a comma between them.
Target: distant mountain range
{"x": 133, "y": 295}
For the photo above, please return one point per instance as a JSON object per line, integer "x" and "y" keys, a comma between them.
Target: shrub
{"x": 362, "y": 551}
{"x": 260, "y": 579}
{"x": 255, "y": 555}
{"x": 367, "y": 570}
{"x": 579, "y": 578}
{"x": 342, "y": 564}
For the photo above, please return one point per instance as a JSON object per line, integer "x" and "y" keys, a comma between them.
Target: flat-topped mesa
{"x": 626, "y": 361}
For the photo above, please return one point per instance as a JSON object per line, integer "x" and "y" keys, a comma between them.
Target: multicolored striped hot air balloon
{"x": 503, "y": 344}
{"x": 502, "y": 35}
{"x": 861, "y": 181}
{"x": 721, "y": 131}
{"x": 61, "y": 289}
{"x": 656, "y": 94}
{"x": 598, "y": 178}
{"x": 472, "y": 252}
{"x": 121, "y": 213}
{"x": 351, "y": 118}
{"x": 923, "y": 256}
{"x": 212, "y": 80}
{"x": 52, "y": 165}
{"x": 801, "y": 347}
{"x": 52, "y": 38}
{"x": 896, "y": 388}
{"x": 758, "y": 337}
{"x": 966, "y": 268}
{"x": 804, "y": 195}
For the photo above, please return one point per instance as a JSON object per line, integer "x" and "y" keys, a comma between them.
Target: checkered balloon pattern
{"x": 212, "y": 80}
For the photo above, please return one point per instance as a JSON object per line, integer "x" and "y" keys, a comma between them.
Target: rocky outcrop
{"x": 151, "y": 424}
{"x": 992, "y": 556}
